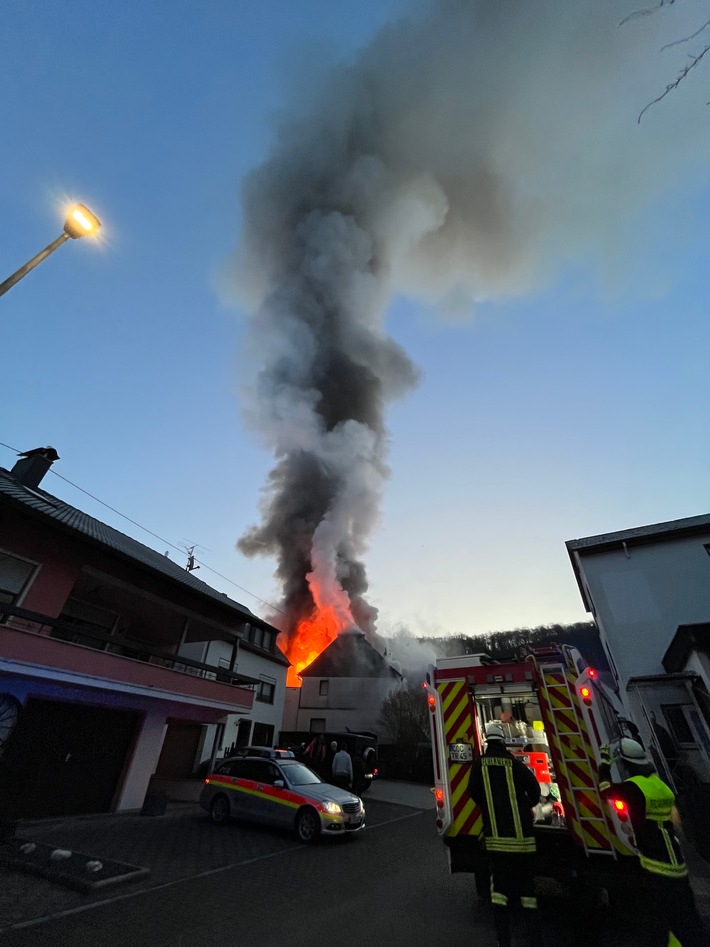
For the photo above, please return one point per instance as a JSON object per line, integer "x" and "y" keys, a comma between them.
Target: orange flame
{"x": 313, "y": 635}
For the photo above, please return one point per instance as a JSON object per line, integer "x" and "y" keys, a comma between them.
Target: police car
{"x": 281, "y": 792}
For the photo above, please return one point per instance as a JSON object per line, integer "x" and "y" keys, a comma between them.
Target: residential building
{"x": 343, "y": 689}
{"x": 115, "y": 663}
{"x": 649, "y": 591}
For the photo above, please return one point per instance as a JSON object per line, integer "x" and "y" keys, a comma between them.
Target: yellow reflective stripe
{"x": 489, "y": 799}
{"x": 513, "y": 801}
{"x": 498, "y": 898}
{"x": 529, "y": 902}
{"x": 503, "y": 844}
{"x": 669, "y": 845}
{"x": 255, "y": 793}
{"x": 663, "y": 868}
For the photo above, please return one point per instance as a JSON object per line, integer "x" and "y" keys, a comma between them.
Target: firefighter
{"x": 651, "y": 808}
{"x": 507, "y": 791}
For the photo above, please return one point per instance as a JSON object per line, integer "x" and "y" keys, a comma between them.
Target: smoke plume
{"x": 468, "y": 153}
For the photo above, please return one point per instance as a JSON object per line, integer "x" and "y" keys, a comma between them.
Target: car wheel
{"x": 307, "y": 826}
{"x": 219, "y": 810}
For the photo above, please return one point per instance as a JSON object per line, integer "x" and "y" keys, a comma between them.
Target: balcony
{"x": 36, "y": 640}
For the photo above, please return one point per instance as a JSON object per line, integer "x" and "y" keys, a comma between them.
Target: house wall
{"x": 642, "y": 594}
{"x": 259, "y": 666}
{"x": 699, "y": 663}
{"x": 351, "y": 702}
{"x": 59, "y": 563}
{"x": 142, "y": 765}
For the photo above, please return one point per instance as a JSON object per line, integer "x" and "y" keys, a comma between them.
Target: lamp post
{"x": 80, "y": 223}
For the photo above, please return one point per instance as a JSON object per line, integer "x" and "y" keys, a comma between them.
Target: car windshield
{"x": 300, "y": 775}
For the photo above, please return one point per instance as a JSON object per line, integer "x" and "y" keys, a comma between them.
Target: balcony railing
{"x": 84, "y": 635}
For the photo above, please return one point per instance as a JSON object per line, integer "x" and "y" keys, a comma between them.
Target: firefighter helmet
{"x": 494, "y": 731}
{"x": 632, "y": 751}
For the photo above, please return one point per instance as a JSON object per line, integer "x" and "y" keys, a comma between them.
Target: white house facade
{"x": 649, "y": 591}
{"x": 343, "y": 689}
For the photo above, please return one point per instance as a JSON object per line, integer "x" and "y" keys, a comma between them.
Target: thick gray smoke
{"x": 467, "y": 154}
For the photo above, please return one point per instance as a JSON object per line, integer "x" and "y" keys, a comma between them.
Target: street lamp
{"x": 79, "y": 223}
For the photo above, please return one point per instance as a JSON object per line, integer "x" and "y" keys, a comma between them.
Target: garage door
{"x": 66, "y": 758}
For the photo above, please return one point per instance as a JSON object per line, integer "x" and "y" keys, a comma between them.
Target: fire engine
{"x": 556, "y": 715}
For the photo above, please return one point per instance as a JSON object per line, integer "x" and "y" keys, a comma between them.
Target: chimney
{"x": 33, "y": 465}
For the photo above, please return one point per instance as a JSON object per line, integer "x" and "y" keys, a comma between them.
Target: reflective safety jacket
{"x": 650, "y": 802}
{"x": 506, "y": 790}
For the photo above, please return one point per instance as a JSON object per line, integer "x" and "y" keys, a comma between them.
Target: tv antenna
{"x": 190, "y": 552}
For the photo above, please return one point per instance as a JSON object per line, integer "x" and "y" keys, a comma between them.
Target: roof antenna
{"x": 190, "y": 550}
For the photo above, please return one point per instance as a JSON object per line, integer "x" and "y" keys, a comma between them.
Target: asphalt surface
{"x": 244, "y": 885}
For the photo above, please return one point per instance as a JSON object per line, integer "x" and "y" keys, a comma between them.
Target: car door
{"x": 243, "y": 795}
{"x": 267, "y": 805}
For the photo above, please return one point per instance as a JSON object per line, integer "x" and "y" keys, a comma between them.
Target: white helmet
{"x": 494, "y": 731}
{"x": 632, "y": 751}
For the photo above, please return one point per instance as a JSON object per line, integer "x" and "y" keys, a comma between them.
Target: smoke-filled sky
{"x": 414, "y": 266}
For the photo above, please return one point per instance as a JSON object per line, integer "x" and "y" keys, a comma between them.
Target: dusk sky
{"x": 545, "y": 272}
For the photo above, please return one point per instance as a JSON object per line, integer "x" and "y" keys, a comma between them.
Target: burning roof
{"x": 350, "y": 655}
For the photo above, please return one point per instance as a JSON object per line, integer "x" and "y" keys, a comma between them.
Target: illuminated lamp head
{"x": 81, "y": 222}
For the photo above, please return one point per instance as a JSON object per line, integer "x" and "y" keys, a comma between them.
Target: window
{"x": 317, "y": 725}
{"x": 237, "y": 768}
{"x": 256, "y": 635}
{"x": 15, "y": 575}
{"x": 678, "y": 723}
{"x": 323, "y": 688}
{"x": 266, "y": 691}
{"x": 263, "y": 734}
{"x": 707, "y": 548}
{"x": 268, "y": 641}
{"x": 264, "y": 772}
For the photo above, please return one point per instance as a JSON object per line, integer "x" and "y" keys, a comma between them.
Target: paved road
{"x": 257, "y": 887}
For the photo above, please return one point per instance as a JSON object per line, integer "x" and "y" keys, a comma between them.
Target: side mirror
{"x": 279, "y": 783}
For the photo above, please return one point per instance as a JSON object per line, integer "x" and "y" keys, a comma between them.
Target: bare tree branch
{"x": 694, "y": 60}
{"x": 647, "y": 12}
{"x": 686, "y": 39}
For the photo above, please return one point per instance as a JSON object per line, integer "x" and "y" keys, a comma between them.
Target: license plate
{"x": 460, "y": 752}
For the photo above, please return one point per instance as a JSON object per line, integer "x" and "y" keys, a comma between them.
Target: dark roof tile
{"x": 350, "y": 655}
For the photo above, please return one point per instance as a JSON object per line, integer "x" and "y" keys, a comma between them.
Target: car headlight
{"x": 332, "y": 807}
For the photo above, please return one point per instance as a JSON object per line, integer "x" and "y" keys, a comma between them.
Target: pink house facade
{"x": 116, "y": 665}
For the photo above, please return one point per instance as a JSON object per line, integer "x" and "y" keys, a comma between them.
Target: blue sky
{"x": 574, "y": 408}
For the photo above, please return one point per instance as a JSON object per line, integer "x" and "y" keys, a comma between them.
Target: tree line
{"x": 507, "y": 644}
